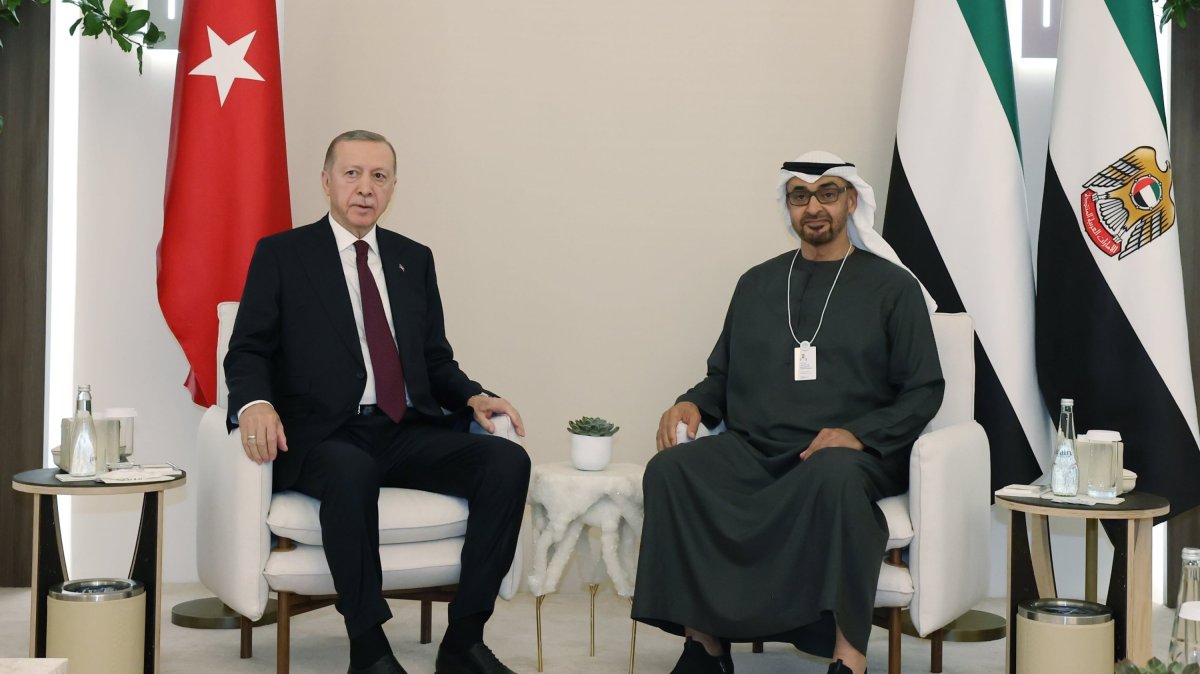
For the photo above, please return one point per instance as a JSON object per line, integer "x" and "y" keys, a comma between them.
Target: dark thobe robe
{"x": 741, "y": 539}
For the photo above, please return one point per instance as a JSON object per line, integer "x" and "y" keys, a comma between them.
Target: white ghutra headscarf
{"x": 810, "y": 167}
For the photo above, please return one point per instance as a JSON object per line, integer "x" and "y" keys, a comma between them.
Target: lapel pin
{"x": 401, "y": 267}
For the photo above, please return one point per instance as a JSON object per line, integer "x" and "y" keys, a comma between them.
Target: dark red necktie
{"x": 385, "y": 360}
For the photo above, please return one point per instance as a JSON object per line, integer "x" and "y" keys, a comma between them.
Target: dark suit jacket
{"x": 295, "y": 343}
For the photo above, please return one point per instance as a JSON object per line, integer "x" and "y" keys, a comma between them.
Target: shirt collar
{"x": 346, "y": 240}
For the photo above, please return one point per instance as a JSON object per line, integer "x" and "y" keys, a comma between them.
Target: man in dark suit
{"x": 339, "y": 371}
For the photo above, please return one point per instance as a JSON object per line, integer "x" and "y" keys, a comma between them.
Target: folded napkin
{"x": 1043, "y": 491}
{"x": 1024, "y": 490}
{"x": 159, "y": 472}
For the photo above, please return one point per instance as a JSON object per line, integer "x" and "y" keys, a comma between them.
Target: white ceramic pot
{"x": 589, "y": 452}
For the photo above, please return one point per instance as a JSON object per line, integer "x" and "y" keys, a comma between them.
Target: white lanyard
{"x": 805, "y": 345}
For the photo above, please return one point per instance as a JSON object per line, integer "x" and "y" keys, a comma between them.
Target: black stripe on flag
{"x": 905, "y": 229}
{"x": 1087, "y": 350}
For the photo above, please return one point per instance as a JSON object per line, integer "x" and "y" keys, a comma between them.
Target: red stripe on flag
{"x": 226, "y": 172}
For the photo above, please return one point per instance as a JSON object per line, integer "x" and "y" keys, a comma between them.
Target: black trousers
{"x": 346, "y": 471}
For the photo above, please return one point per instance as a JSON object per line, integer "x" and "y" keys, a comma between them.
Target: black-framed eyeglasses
{"x": 824, "y": 195}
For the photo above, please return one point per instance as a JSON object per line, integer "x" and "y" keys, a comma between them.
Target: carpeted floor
{"x": 319, "y": 643}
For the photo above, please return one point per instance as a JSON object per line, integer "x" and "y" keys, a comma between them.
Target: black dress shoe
{"x": 837, "y": 667}
{"x": 696, "y": 660}
{"x": 385, "y": 665}
{"x": 478, "y": 659}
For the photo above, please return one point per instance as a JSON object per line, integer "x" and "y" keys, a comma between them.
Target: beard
{"x": 830, "y": 229}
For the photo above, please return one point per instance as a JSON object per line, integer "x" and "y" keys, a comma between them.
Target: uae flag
{"x": 226, "y": 171}
{"x": 956, "y": 214}
{"x": 1110, "y": 315}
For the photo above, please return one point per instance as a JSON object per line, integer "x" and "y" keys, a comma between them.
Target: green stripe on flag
{"x": 1135, "y": 21}
{"x": 989, "y": 27}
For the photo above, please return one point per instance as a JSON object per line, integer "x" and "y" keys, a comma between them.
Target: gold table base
{"x": 592, "y": 589}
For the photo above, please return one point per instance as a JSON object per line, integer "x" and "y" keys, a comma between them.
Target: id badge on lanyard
{"x": 805, "y": 362}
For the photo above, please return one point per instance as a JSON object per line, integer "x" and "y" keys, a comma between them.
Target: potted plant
{"x": 591, "y": 442}
{"x": 1156, "y": 666}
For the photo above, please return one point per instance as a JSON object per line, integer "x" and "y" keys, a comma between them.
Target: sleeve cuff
{"x": 247, "y": 406}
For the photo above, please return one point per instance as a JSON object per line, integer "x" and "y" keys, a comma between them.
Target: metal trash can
{"x": 99, "y": 624}
{"x": 1064, "y": 635}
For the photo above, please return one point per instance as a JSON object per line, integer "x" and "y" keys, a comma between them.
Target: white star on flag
{"x": 227, "y": 62}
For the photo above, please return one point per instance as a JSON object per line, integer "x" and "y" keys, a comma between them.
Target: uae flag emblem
{"x": 1126, "y": 205}
{"x": 1111, "y": 331}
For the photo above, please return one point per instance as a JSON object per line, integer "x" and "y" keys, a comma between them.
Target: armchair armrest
{"x": 512, "y": 580}
{"x": 232, "y": 499}
{"x": 950, "y": 506}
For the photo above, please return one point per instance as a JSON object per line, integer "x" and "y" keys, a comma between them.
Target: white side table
{"x": 564, "y": 501}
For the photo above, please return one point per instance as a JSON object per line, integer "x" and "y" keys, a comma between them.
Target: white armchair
{"x": 944, "y": 518}
{"x": 420, "y": 533}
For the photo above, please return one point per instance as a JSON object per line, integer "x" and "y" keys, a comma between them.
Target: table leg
{"x": 537, "y": 612}
{"x": 1090, "y": 537}
{"x": 1118, "y": 590}
{"x": 1137, "y": 592}
{"x": 592, "y": 588}
{"x": 147, "y": 568}
{"x": 1043, "y": 559}
{"x": 632, "y": 641}
{"x": 1022, "y": 582}
{"x": 49, "y": 568}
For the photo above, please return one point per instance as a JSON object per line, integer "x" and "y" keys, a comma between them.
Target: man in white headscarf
{"x": 824, "y": 374}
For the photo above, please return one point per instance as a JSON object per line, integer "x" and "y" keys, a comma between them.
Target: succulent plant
{"x": 1156, "y": 666}
{"x": 594, "y": 426}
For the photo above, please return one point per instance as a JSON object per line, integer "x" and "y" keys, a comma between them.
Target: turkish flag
{"x": 227, "y": 183}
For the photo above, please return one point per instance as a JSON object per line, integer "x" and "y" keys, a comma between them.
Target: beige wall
{"x": 592, "y": 177}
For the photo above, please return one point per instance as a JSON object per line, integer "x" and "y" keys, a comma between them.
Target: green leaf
{"x": 75, "y": 25}
{"x": 118, "y": 11}
{"x": 154, "y": 35}
{"x": 10, "y": 16}
{"x": 139, "y": 57}
{"x": 1, "y": 123}
{"x": 134, "y": 22}
{"x": 122, "y": 42}
{"x": 93, "y": 24}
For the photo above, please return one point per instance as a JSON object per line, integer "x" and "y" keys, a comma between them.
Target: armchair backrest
{"x": 955, "y": 337}
{"x": 226, "y": 312}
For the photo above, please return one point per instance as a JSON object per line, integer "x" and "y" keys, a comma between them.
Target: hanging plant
{"x": 131, "y": 29}
{"x": 1177, "y": 9}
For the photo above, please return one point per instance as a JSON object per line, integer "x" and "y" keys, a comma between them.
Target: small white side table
{"x": 564, "y": 501}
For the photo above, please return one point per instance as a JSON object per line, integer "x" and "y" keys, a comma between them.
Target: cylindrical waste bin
{"x": 99, "y": 624}
{"x": 1064, "y": 635}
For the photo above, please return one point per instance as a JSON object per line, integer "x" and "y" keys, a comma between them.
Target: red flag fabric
{"x": 227, "y": 181}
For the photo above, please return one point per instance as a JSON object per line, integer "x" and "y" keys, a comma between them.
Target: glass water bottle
{"x": 1064, "y": 476}
{"x": 1185, "y": 635}
{"x": 82, "y": 454}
